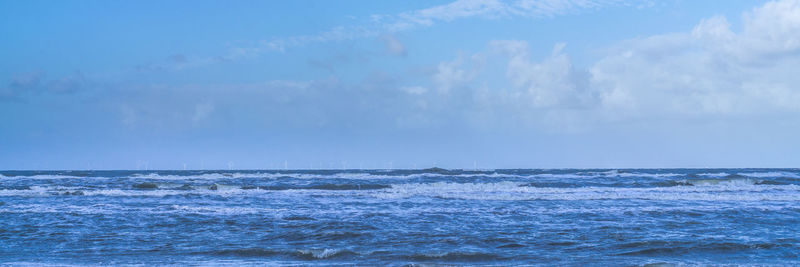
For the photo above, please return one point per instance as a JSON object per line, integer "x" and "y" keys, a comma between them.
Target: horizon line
{"x": 412, "y": 169}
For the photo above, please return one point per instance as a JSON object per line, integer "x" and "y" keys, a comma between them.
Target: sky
{"x": 302, "y": 84}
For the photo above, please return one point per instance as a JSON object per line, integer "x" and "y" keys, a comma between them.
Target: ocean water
{"x": 400, "y": 217}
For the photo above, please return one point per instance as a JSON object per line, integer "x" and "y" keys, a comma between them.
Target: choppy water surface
{"x": 497, "y": 217}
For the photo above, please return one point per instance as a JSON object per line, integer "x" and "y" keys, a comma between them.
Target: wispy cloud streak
{"x": 380, "y": 24}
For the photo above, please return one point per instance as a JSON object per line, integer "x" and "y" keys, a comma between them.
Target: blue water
{"x": 380, "y": 217}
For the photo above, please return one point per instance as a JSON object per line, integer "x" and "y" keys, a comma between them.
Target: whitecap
{"x": 320, "y": 253}
{"x": 770, "y": 174}
{"x": 47, "y": 176}
{"x": 717, "y": 175}
{"x": 721, "y": 182}
{"x": 515, "y": 191}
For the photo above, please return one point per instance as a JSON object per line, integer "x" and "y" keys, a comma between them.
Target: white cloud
{"x": 414, "y": 90}
{"x": 550, "y": 8}
{"x": 455, "y": 10}
{"x": 202, "y": 111}
{"x": 708, "y": 71}
{"x": 452, "y": 74}
{"x": 554, "y": 82}
{"x": 388, "y": 24}
{"x": 380, "y": 24}
{"x": 716, "y": 29}
{"x": 394, "y": 46}
{"x": 711, "y": 70}
{"x": 773, "y": 28}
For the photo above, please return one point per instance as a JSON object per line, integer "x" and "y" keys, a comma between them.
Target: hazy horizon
{"x": 389, "y": 169}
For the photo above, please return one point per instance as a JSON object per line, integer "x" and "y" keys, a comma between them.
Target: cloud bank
{"x": 710, "y": 71}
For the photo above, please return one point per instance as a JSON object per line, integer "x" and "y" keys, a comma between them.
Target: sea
{"x": 545, "y": 217}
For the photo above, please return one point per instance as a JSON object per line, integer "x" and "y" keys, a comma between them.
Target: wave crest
{"x": 323, "y": 253}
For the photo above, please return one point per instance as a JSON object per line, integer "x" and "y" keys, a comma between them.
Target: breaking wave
{"x": 373, "y": 174}
{"x": 734, "y": 191}
{"x": 323, "y": 253}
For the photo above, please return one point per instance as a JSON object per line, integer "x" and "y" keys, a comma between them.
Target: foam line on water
{"x": 770, "y": 174}
{"x": 514, "y": 191}
{"x": 349, "y": 175}
{"x": 712, "y": 190}
{"x": 282, "y": 212}
{"x": 46, "y": 177}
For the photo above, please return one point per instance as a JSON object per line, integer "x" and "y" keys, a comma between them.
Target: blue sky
{"x": 373, "y": 84}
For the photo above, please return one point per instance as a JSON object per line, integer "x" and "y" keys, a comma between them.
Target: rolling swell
{"x": 328, "y": 187}
{"x": 402, "y": 217}
{"x": 303, "y": 254}
{"x": 244, "y": 252}
{"x": 357, "y": 186}
{"x": 318, "y": 254}
{"x": 684, "y": 247}
{"x": 455, "y": 257}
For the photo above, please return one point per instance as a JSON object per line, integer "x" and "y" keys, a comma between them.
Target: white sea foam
{"x": 204, "y": 176}
{"x": 715, "y": 175}
{"x": 221, "y": 210}
{"x": 710, "y": 190}
{"x": 287, "y": 209}
{"x": 514, "y": 191}
{"x": 721, "y": 182}
{"x": 562, "y": 175}
{"x": 341, "y": 175}
{"x": 39, "y": 191}
{"x": 770, "y": 174}
{"x": 18, "y": 192}
{"x": 352, "y": 175}
{"x": 118, "y": 209}
{"x": 320, "y": 253}
{"x": 217, "y": 176}
{"x": 603, "y": 174}
{"x": 616, "y": 173}
{"x": 61, "y": 208}
{"x": 46, "y": 177}
{"x": 42, "y": 191}
{"x": 169, "y": 192}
